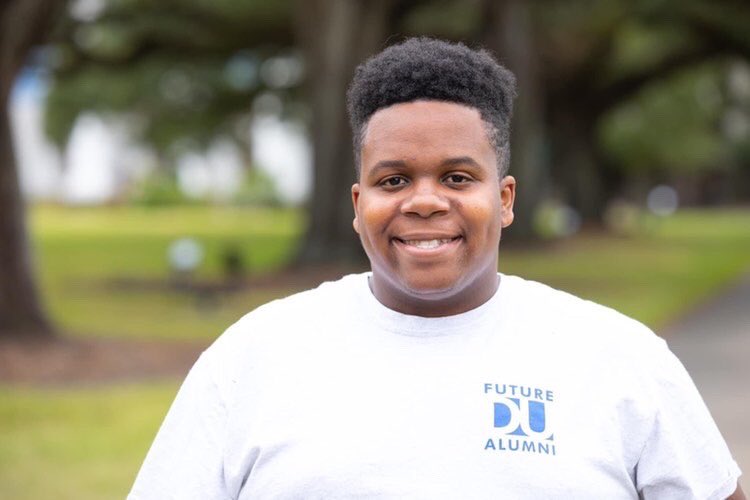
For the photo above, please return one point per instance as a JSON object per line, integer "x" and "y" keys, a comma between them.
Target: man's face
{"x": 429, "y": 207}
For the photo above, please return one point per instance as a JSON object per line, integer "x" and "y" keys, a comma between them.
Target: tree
{"x": 169, "y": 61}
{"x": 125, "y": 70}
{"x": 186, "y": 71}
{"x": 509, "y": 30}
{"x": 337, "y": 35}
{"x": 588, "y": 75}
{"x": 23, "y": 24}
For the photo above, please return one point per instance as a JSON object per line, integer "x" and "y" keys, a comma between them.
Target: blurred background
{"x": 168, "y": 165}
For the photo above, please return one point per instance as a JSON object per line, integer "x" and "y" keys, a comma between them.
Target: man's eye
{"x": 394, "y": 182}
{"x": 457, "y": 179}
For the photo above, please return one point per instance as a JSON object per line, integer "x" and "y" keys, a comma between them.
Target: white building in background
{"x": 100, "y": 161}
{"x": 283, "y": 150}
{"x": 39, "y": 162}
{"x": 91, "y": 162}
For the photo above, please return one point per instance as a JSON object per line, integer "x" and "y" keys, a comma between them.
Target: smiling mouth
{"x": 428, "y": 244}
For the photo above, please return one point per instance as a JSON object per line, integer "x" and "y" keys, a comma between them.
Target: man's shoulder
{"x": 296, "y": 313}
{"x": 327, "y": 295}
{"x": 572, "y": 315}
{"x": 619, "y": 348}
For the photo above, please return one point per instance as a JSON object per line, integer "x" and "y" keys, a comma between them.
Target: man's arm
{"x": 738, "y": 494}
{"x": 186, "y": 458}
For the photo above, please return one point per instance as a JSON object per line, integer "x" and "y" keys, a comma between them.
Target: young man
{"x": 434, "y": 376}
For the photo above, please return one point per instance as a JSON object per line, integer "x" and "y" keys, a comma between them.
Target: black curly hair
{"x": 430, "y": 69}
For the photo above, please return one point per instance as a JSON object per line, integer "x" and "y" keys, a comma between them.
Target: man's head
{"x": 432, "y": 196}
{"x": 428, "y": 69}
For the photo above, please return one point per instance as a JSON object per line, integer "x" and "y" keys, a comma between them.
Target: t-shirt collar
{"x": 407, "y": 324}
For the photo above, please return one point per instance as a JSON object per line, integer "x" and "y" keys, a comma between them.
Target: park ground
{"x": 84, "y": 408}
{"x": 713, "y": 342}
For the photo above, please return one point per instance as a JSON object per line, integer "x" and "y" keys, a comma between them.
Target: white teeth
{"x": 428, "y": 243}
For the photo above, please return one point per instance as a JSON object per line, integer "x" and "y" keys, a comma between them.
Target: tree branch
{"x": 601, "y": 100}
{"x": 23, "y": 24}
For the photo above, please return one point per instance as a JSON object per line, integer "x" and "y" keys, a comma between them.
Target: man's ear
{"x": 507, "y": 199}
{"x": 355, "y": 201}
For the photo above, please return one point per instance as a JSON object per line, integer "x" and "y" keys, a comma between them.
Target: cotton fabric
{"x": 535, "y": 394}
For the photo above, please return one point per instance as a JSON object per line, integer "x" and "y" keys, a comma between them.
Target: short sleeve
{"x": 186, "y": 458}
{"x": 685, "y": 456}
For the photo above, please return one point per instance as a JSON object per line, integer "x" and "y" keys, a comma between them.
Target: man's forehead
{"x": 419, "y": 125}
{"x": 424, "y": 108}
{"x": 415, "y": 117}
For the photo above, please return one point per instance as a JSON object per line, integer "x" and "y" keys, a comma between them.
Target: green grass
{"x": 653, "y": 276}
{"x": 82, "y": 443}
{"x": 83, "y": 252}
{"x": 77, "y": 444}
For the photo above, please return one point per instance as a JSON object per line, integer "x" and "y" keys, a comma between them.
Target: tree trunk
{"x": 509, "y": 32}
{"x": 22, "y": 24}
{"x": 20, "y": 309}
{"x": 579, "y": 171}
{"x": 337, "y": 35}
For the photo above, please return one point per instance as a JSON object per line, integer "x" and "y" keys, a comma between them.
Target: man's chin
{"x": 430, "y": 288}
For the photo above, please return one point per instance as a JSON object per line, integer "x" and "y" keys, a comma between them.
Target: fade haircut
{"x": 430, "y": 69}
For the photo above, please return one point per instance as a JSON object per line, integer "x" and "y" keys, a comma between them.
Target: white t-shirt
{"x": 535, "y": 394}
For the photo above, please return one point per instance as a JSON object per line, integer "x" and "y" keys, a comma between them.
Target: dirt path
{"x": 73, "y": 360}
{"x": 713, "y": 342}
{"x": 69, "y": 361}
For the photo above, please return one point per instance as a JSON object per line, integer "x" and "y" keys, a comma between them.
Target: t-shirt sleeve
{"x": 186, "y": 458}
{"x": 685, "y": 456}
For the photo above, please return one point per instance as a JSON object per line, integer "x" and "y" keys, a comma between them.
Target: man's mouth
{"x": 428, "y": 243}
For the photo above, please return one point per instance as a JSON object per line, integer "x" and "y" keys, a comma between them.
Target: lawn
{"x": 84, "y": 253}
{"x": 88, "y": 442}
{"x": 77, "y": 444}
{"x": 654, "y": 276}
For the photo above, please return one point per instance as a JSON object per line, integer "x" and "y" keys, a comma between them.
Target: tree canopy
{"x": 611, "y": 91}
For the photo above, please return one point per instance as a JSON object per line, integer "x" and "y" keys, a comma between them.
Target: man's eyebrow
{"x": 386, "y": 164}
{"x": 400, "y": 164}
{"x": 460, "y": 160}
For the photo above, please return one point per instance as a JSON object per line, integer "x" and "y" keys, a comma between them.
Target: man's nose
{"x": 425, "y": 200}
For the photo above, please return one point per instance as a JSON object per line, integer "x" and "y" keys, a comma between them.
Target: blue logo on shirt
{"x": 520, "y": 417}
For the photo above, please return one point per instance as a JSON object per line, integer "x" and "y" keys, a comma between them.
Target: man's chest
{"x": 448, "y": 425}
